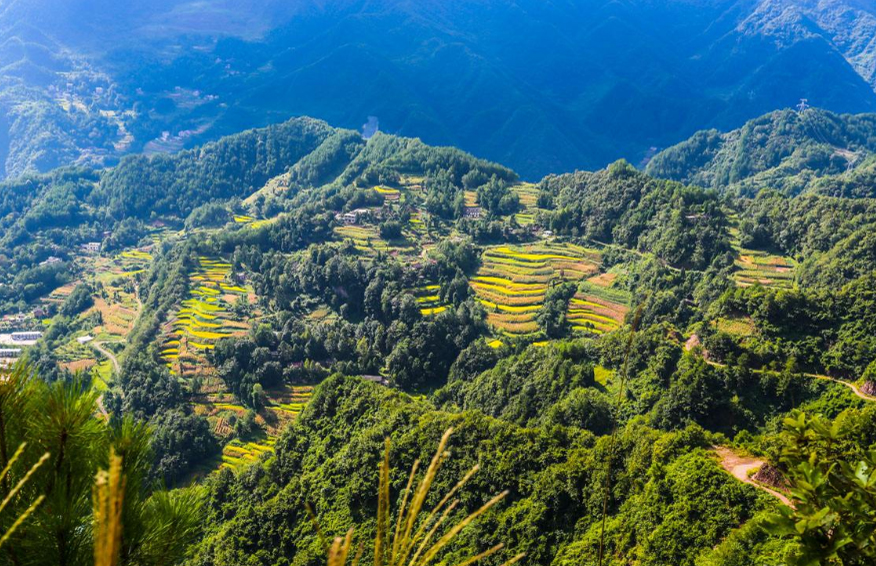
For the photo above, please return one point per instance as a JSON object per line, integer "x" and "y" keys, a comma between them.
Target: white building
{"x": 27, "y": 336}
{"x": 91, "y": 247}
{"x": 472, "y": 212}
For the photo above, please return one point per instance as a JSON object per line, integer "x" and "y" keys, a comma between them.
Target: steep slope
{"x": 811, "y": 151}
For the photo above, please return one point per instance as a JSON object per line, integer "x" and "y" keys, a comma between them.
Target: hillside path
{"x": 855, "y": 389}
{"x": 848, "y": 384}
{"x": 739, "y": 467}
{"x": 109, "y": 355}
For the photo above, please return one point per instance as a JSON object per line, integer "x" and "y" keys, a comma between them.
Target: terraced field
{"x": 756, "y": 266}
{"x": 289, "y": 401}
{"x": 429, "y": 300}
{"x": 513, "y": 280}
{"x": 237, "y": 453}
{"x": 203, "y": 318}
{"x": 389, "y": 194}
{"x": 285, "y": 404}
{"x": 366, "y": 239}
{"x": 471, "y": 198}
{"x": 132, "y": 262}
{"x": 115, "y": 300}
{"x": 764, "y": 268}
{"x": 592, "y": 315}
{"x": 528, "y": 195}
{"x": 416, "y": 224}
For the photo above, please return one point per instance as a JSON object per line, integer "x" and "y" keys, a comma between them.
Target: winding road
{"x": 740, "y": 467}
{"x": 688, "y": 346}
{"x": 848, "y": 384}
{"x": 107, "y": 354}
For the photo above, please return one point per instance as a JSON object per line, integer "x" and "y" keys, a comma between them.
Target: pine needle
{"x": 108, "y": 494}
{"x": 22, "y": 518}
{"x": 412, "y": 531}
{"x": 23, "y": 480}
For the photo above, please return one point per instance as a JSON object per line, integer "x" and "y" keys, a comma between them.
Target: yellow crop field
{"x": 432, "y": 310}
{"x": 513, "y": 280}
{"x": 509, "y": 308}
{"x": 508, "y": 283}
{"x": 203, "y": 318}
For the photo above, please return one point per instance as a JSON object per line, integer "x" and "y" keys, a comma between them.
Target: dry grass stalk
{"x": 108, "y": 494}
{"x": 14, "y": 491}
{"x": 413, "y": 540}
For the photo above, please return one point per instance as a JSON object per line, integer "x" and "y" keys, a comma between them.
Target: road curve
{"x": 740, "y": 466}
{"x": 848, "y": 384}
{"x": 106, "y": 353}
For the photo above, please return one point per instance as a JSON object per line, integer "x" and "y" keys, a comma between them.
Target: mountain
{"x": 814, "y": 151}
{"x": 542, "y": 87}
{"x": 256, "y": 315}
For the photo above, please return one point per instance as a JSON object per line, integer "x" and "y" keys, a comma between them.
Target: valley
{"x": 276, "y": 303}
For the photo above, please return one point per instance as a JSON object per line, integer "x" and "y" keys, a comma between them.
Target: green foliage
{"x": 790, "y": 151}
{"x": 329, "y": 458}
{"x": 684, "y": 226}
{"x": 77, "y": 301}
{"x": 60, "y": 419}
{"x": 834, "y": 498}
{"x": 552, "y": 315}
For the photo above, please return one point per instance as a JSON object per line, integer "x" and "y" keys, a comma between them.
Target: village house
{"x": 91, "y": 247}
{"x": 472, "y": 212}
{"x": 26, "y": 336}
{"x": 353, "y": 216}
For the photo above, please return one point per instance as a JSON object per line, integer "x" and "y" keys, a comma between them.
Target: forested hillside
{"x": 250, "y": 319}
{"x": 813, "y": 151}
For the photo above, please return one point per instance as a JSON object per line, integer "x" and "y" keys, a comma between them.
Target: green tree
{"x": 833, "y": 520}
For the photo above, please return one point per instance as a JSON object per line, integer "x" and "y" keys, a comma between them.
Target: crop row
{"x": 513, "y": 280}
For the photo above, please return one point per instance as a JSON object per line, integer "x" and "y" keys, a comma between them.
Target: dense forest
{"x": 813, "y": 151}
{"x": 649, "y": 369}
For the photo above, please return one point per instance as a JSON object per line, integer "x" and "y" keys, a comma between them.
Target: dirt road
{"x": 740, "y": 466}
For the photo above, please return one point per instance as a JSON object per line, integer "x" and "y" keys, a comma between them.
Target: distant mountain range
{"x": 540, "y": 86}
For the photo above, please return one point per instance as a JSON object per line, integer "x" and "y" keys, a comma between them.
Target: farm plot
{"x": 593, "y": 315}
{"x": 203, "y": 318}
{"x": 513, "y": 280}
{"x": 757, "y": 266}
{"x": 471, "y": 198}
{"x": 289, "y": 401}
{"x": 388, "y": 194}
{"x": 429, "y": 300}
{"x": 131, "y": 262}
{"x": 528, "y": 195}
{"x": 282, "y": 406}
{"x": 766, "y": 269}
{"x": 365, "y": 238}
{"x": 238, "y": 453}
{"x": 416, "y": 224}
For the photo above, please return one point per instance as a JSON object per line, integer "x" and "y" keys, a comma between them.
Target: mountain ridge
{"x": 541, "y": 87}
